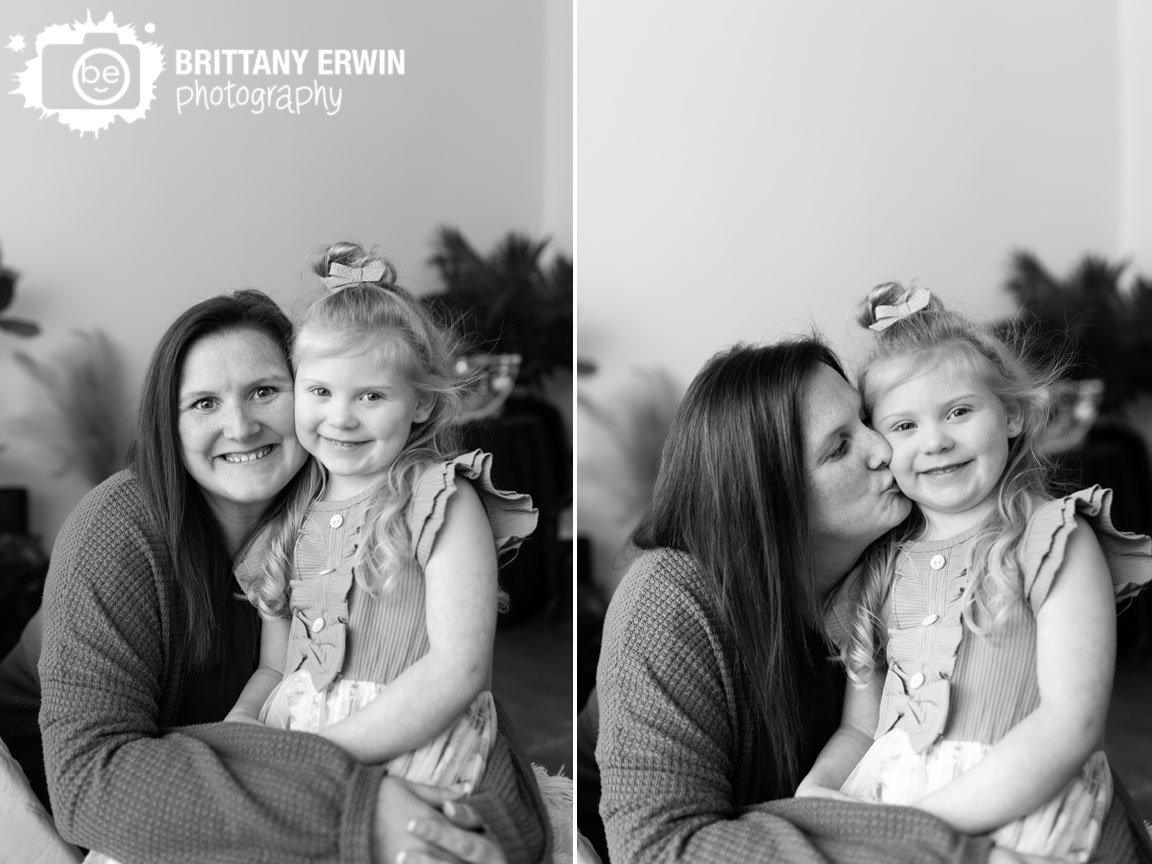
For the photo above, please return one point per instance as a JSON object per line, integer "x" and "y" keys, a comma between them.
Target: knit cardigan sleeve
{"x": 123, "y": 782}
{"x": 673, "y": 728}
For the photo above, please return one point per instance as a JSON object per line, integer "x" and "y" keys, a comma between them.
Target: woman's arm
{"x": 122, "y": 783}
{"x": 460, "y": 601}
{"x": 111, "y": 671}
{"x": 1075, "y": 660}
{"x": 848, "y": 743}
{"x": 273, "y": 652}
{"x": 669, "y": 754}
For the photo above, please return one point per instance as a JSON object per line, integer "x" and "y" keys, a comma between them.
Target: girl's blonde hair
{"x": 926, "y": 339}
{"x": 389, "y": 327}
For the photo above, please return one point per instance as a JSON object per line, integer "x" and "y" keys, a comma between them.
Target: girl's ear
{"x": 424, "y": 408}
{"x": 1014, "y": 414}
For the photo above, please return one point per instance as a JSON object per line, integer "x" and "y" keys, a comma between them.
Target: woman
{"x": 143, "y": 636}
{"x": 715, "y": 691}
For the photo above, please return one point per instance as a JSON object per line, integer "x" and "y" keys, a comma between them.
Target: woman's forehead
{"x": 232, "y": 355}
{"x": 829, "y": 403}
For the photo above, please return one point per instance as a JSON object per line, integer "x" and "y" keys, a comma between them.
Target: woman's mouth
{"x": 250, "y": 456}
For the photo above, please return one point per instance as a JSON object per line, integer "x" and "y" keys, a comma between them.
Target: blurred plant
{"x": 1087, "y": 317}
{"x": 515, "y": 304}
{"x": 17, "y": 326}
{"x": 77, "y": 418}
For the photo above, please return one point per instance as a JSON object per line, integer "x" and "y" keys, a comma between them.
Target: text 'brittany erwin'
{"x": 289, "y": 61}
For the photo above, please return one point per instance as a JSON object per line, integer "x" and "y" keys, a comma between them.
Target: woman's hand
{"x": 418, "y": 824}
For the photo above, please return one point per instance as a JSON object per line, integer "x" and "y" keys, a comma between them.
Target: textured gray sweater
{"x": 676, "y": 738}
{"x": 125, "y": 779}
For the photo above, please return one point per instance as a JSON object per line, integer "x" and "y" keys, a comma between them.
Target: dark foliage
{"x": 1105, "y": 331}
{"x": 509, "y": 301}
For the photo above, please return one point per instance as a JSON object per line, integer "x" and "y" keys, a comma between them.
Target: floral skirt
{"x": 1067, "y": 827}
{"x": 454, "y": 759}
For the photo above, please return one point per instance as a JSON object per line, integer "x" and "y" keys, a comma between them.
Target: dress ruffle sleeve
{"x": 510, "y": 514}
{"x": 249, "y": 567}
{"x": 841, "y": 610}
{"x": 1129, "y": 556}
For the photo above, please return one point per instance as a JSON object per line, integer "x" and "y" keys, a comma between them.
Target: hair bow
{"x": 886, "y": 316}
{"x": 339, "y": 275}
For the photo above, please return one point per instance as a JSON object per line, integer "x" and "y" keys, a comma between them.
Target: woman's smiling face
{"x": 235, "y": 420}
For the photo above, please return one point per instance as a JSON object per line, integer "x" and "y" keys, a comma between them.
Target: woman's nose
{"x": 239, "y": 423}
{"x": 879, "y": 452}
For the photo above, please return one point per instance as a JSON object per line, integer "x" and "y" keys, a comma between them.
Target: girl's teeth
{"x": 248, "y": 457}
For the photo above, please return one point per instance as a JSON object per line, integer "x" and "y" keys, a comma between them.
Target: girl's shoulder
{"x": 1050, "y": 528}
{"x": 510, "y": 514}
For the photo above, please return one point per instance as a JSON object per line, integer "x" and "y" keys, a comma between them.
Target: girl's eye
{"x": 902, "y": 426}
{"x": 320, "y": 391}
{"x": 960, "y": 411}
{"x": 373, "y": 396}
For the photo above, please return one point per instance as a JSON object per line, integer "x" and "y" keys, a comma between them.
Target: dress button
{"x": 318, "y": 624}
{"x": 937, "y": 562}
{"x": 916, "y": 681}
{"x": 931, "y": 619}
{"x": 336, "y": 521}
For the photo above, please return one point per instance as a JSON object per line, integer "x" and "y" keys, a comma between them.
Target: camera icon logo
{"x": 90, "y": 74}
{"x": 100, "y": 72}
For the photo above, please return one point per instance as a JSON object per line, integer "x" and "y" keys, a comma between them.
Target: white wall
{"x": 1135, "y": 175}
{"x": 125, "y": 231}
{"x": 746, "y": 169}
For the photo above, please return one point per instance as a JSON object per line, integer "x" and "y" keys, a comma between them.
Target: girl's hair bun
{"x": 354, "y": 255}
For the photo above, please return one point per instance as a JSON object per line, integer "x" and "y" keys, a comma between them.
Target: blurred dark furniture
{"x": 531, "y": 453}
{"x": 1116, "y": 457}
{"x": 23, "y": 567}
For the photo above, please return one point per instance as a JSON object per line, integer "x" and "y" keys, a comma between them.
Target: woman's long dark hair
{"x": 203, "y": 569}
{"x": 732, "y": 492}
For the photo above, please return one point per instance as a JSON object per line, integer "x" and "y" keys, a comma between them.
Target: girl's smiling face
{"x": 949, "y": 436}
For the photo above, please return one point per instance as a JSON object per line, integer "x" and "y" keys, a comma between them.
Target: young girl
{"x": 378, "y": 590}
{"x": 981, "y": 639}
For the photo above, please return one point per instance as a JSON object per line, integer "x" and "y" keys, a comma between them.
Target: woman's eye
{"x": 204, "y": 404}
{"x": 839, "y": 450}
{"x": 263, "y": 392}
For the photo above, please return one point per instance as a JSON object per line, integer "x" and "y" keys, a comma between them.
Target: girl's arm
{"x": 1075, "y": 658}
{"x": 849, "y": 743}
{"x": 273, "y": 651}
{"x": 460, "y": 597}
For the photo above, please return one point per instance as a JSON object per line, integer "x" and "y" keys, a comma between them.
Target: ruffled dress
{"x": 949, "y": 695}
{"x": 345, "y": 646}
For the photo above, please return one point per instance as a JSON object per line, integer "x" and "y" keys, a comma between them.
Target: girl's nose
{"x": 340, "y": 415}
{"x": 935, "y": 439}
{"x": 879, "y": 451}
